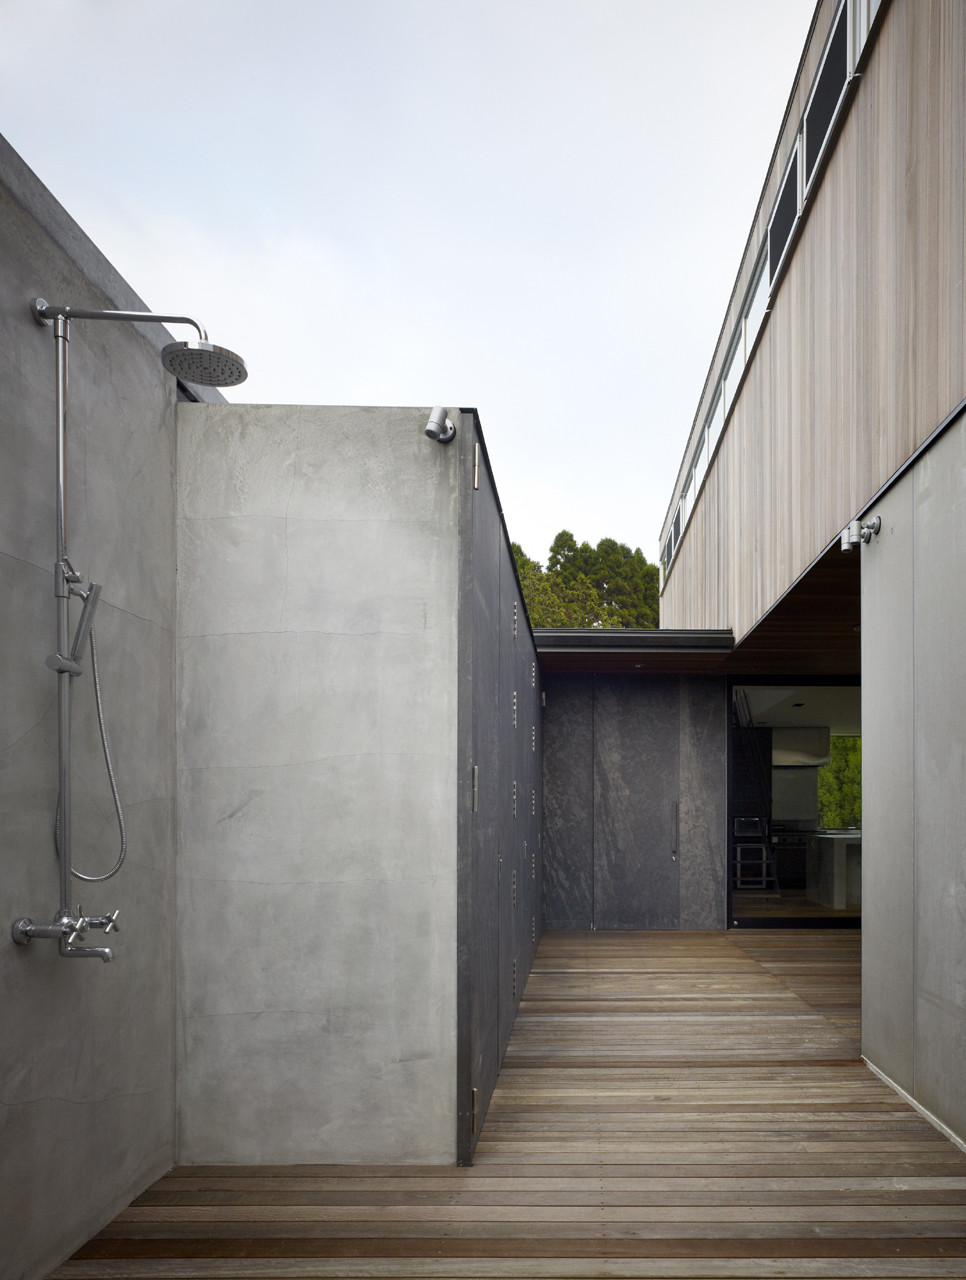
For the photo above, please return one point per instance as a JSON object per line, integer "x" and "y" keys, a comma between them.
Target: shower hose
{"x": 105, "y": 744}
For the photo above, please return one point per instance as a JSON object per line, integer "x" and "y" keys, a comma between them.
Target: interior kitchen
{"x": 794, "y": 805}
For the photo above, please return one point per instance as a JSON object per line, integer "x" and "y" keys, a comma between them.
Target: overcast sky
{"x": 534, "y": 207}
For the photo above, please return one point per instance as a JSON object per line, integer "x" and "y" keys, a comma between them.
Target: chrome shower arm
{"x": 46, "y": 312}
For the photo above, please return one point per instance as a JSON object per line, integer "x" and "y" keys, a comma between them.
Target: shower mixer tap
{"x": 68, "y": 930}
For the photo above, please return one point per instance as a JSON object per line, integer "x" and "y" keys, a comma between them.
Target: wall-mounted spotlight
{"x": 439, "y": 427}
{"x": 857, "y": 531}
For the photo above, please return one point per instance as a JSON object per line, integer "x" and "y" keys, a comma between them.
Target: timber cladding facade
{"x": 836, "y": 399}
{"x": 856, "y": 350}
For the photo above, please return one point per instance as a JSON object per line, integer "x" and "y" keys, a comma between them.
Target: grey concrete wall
{"x": 318, "y": 686}
{"x": 635, "y": 785}
{"x": 914, "y": 800}
{"x": 86, "y": 1058}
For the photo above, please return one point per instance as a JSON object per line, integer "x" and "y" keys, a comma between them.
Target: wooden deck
{"x": 671, "y": 1105}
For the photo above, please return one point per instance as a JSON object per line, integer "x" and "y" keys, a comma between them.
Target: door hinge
{"x": 476, "y": 788}
{"x": 476, "y": 467}
{"x": 474, "y": 1095}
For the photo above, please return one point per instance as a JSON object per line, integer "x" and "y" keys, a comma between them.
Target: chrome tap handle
{"x": 74, "y": 929}
{"x": 106, "y": 922}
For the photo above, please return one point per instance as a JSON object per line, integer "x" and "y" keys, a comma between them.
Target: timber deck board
{"x": 670, "y": 1105}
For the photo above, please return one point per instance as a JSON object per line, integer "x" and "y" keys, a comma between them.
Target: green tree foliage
{"x": 840, "y": 785}
{"x": 583, "y": 586}
{"x": 625, "y": 582}
{"x": 554, "y": 602}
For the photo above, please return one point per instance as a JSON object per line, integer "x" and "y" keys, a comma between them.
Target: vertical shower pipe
{"x": 64, "y": 575}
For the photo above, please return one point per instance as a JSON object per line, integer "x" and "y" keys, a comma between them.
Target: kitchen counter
{"x": 833, "y": 867}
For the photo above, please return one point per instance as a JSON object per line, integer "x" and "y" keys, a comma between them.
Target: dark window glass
{"x": 828, "y": 91}
{"x": 676, "y": 532}
{"x": 783, "y": 218}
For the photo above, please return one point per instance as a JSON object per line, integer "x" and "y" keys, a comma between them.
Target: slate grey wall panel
{"x": 635, "y": 789}
{"x": 703, "y": 833}
{"x": 510, "y": 837}
{"x": 478, "y": 952}
{"x": 496, "y": 918}
{"x": 636, "y": 803}
{"x": 568, "y": 784}
{"x": 533, "y": 871}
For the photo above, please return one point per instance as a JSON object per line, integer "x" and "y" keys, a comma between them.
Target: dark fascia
{"x": 628, "y": 639}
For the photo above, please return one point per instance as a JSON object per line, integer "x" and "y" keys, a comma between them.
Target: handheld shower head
{"x": 204, "y": 364}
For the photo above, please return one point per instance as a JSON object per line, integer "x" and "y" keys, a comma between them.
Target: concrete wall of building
{"x": 914, "y": 801}
{"x": 317, "y": 818}
{"x": 635, "y": 799}
{"x": 87, "y": 1054}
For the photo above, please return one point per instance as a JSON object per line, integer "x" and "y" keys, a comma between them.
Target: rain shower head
{"x": 201, "y": 362}
{"x": 204, "y": 364}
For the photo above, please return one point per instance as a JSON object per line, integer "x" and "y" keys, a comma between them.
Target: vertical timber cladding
{"x": 863, "y": 352}
{"x": 500, "y": 812}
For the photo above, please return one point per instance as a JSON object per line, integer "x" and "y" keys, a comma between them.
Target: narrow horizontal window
{"x": 863, "y": 17}
{"x": 734, "y": 367}
{"x": 757, "y": 306}
{"x": 827, "y": 93}
{"x": 784, "y": 215}
{"x": 715, "y": 423}
{"x": 700, "y": 462}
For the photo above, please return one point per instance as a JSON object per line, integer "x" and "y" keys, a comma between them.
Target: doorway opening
{"x": 794, "y": 806}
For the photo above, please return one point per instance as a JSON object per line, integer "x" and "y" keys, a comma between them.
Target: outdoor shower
{"x": 200, "y": 363}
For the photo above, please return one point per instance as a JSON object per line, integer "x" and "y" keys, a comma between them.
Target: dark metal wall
{"x": 500, "y": 802}
{"x": 635, "y": 785}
